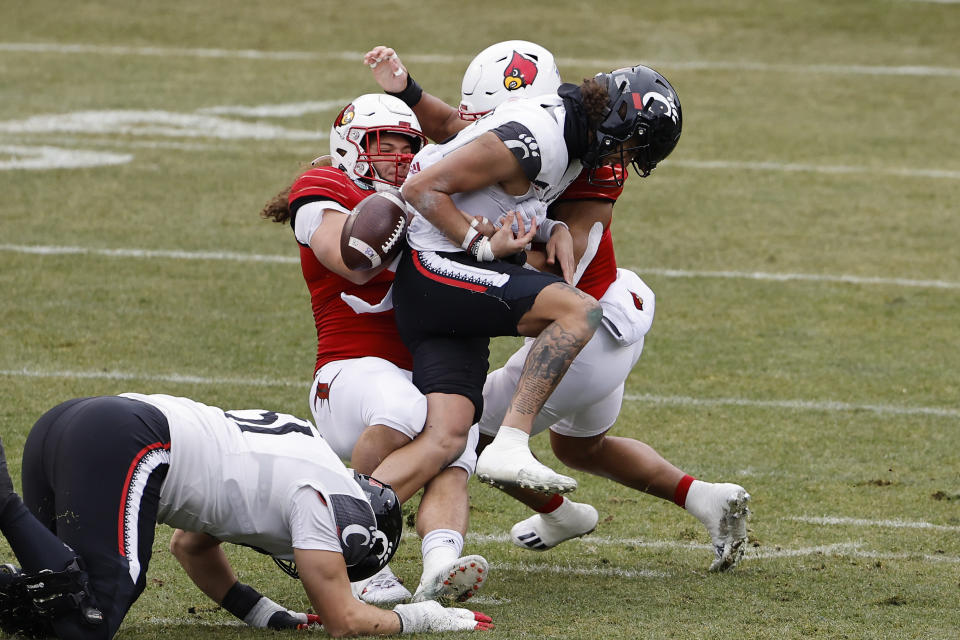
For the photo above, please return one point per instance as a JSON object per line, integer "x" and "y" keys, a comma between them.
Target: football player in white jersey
{"x": 99, "y": 473}
{"x": 588, "y": 399}
{"x": 526, "y": 150}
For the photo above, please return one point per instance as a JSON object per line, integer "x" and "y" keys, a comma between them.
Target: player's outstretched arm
{"x": 438, "y": 119}
{"x": 324, "y": 578}
{"x": 202, "y": 557}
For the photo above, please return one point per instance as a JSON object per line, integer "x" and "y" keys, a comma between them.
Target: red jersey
{"x": 343, "y": 333}
{"x": 602, "y": 270}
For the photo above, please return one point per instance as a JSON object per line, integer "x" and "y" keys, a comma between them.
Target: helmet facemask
{"x": 371, "y": 154}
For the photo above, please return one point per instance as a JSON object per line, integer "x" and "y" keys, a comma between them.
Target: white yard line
{"x": 845, "y": 548}
{"x": 793, "y": 405}
{"x": 176, "y": 378}
{"x": 462, "y": 60}
{"x": 150, "y": 253}
{"x": 571, "y": 570}
{"x": 683, "y": 401}
{"x": 668, "y": 273}
{"x": 801, "y": 405}
{"x": 788, "y": 277}
{"x": 874, "y": 524}
{"x": 814, "y": 168}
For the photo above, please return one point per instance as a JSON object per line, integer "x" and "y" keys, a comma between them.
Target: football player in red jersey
{"x": 587, "y": 401}
{"x": 362, "y": 398}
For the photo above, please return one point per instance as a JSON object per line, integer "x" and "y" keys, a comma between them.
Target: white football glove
{"x": 432, "y": 616}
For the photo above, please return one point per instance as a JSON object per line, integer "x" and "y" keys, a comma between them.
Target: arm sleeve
{"x": 519, "y": 139}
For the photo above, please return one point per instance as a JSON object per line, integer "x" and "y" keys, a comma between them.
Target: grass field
{"x": 802, "y": 240}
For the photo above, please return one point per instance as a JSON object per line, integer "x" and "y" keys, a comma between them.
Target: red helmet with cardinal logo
{"x": 510, "y": 69}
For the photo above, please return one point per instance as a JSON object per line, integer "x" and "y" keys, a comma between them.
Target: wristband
{"x": 470, "y": 237}
{"x": 481, "y": 250}
{"x": 411, "y": 93}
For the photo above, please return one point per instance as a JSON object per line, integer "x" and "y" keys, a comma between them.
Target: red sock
{"x": 551, "y": 505}
{"x": 680, "y": 494}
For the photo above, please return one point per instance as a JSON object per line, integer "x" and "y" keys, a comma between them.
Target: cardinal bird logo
{"x": 521, "y": 72}
{"x": 637, "y": 301}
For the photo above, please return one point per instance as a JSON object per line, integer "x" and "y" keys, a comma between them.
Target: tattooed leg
{"x": 550, "y": 356}
{"x": 507, "y": 461}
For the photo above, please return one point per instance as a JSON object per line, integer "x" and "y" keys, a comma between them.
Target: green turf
{"x": 813, "y": 137}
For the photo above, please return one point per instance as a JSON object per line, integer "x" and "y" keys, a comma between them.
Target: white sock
{"x": 440, "y": 547}
{"x": 559, "y": 513}
{"x": 512, "y": 437}
{"x": 699, "y": 500}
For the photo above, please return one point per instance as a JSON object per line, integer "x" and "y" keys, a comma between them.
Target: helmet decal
{"x": 345, "y": 117}
{"x": 355, "y": 530}
{"x": 668, "y": 106}
{"x": 521, "y": 72}
{"x": 355, "y": 522}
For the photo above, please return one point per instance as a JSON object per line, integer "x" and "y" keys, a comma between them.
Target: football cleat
{"x": 505, "y": 466}
{"x": 546, "y": 530}
{"x": 381, "y": 589}
{"x": 458, "y": 581}
{"x": 727, "y": 524}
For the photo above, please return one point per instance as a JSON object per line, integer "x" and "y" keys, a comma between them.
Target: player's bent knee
{"x": 594, "y": 315}
{"x": 583, "y": 306}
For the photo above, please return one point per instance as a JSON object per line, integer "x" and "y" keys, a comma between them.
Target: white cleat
{"x": 727, "y": 525}
{"x": 506, "y": 466}
{"x": 381, "y": 589}
{"x": 457, "y": 581}
{"x": 546, "y": 530}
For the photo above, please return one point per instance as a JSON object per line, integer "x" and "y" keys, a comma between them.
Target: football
{"x": 373, "y": 233}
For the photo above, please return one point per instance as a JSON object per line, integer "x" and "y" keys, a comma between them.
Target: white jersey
{"x": 249, "y": 477}
{"x": 533, "y": 130}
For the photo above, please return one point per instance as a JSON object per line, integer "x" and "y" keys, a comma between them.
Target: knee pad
{"x": 17, "y": 616}
{"x": 55, "y": 594}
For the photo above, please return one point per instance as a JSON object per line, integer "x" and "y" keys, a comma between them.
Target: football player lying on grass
{"x": 99, "y": 473}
